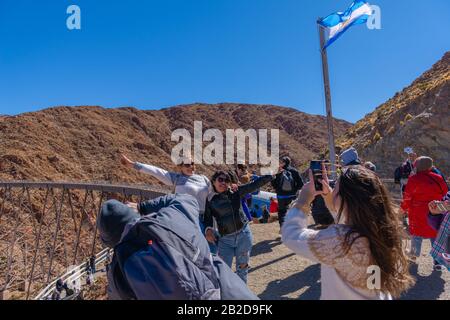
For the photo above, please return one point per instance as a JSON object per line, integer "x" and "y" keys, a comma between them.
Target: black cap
{"x": 113, "y": 218}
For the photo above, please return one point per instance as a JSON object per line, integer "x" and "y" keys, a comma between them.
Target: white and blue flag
{"x": 337, "y": 23}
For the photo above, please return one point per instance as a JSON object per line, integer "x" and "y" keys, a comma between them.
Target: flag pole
{"x": 326, "y": 85}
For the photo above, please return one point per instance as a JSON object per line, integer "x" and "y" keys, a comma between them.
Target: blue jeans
{"x": 237, "y": 245}
{"x": 416, "y": 245}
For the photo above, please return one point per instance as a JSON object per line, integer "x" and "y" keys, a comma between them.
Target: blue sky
{"x": 158, "y": 53}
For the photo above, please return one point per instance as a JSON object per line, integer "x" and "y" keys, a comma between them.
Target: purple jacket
{"x": 435, "y": 221}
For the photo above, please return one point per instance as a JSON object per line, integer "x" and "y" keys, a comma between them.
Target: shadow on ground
{"x": 308, "y": 278}
{"x": 265, "y": 246}
{"x": 427, "y": 287}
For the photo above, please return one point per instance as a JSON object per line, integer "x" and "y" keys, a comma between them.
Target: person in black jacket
{"x": 235, "y": 237}
{"x": 286, "y": 184}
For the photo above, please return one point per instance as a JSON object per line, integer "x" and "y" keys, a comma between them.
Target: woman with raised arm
{"x": 184, "y": 181}
{"x": 234, "y": 237}
{"x": 362, "y": 255}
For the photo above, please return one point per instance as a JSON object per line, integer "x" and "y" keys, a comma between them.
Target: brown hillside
{"x": 82, "y": 143}
{"x": 419, "y": 117}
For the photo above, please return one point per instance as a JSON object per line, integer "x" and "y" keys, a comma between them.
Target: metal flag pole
{"x": 326, "y": 84}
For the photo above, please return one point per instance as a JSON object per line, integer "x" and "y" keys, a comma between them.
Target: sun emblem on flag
{"x": 345, "y": 23}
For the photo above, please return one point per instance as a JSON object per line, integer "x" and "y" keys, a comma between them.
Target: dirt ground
{"x": 277, "y": 273}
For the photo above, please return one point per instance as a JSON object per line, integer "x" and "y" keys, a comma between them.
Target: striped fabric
{"x": 441, "y": 244}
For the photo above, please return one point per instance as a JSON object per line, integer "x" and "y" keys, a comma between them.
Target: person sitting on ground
{"x": 367, "y": 233}
{"x": 423, "y": 187}
{"x": 160, "y": 253}
{"x": 265, "y": 217}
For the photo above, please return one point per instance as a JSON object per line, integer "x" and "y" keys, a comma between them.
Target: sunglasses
{"x": 188, "y": 165}
{"x": 223, "y": 180}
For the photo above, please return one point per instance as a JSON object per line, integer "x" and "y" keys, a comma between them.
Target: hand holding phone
{"x": 316, "y": 168}
{"x": 439, "y": 207}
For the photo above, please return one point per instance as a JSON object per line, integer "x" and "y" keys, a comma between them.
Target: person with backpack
{"x": 286, "y": 184}
{"x": 403, "y": 172}
{"x": 161, "y": 254}
{"x": 234, "y": 239}
{"x": 422, "y": 188}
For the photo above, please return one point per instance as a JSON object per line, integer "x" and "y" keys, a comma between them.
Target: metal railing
{"x": 48, "y": 233}
{"x": 46, "y": 227}
{"x": 75, "y": 278}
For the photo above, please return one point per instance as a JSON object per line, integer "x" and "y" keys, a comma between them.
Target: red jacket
{"x": 422, "y": 188}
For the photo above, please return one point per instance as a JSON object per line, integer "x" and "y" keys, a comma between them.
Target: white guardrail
{"x": 71, "y": 281}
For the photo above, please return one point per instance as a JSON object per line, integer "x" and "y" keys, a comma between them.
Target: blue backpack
{"x": 164, "y": 256}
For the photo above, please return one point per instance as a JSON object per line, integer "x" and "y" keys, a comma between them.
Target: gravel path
{"x": 276, "y": 273}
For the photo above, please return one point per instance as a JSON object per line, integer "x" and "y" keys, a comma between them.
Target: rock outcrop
{"x": 83, "y": 143}
{"x": 418, "y": 117}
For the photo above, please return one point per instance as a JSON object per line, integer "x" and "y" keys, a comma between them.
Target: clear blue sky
{"x": 159, "y": 53}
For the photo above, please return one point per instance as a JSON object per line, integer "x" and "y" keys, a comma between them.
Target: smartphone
{"x": 443, "y": 206}
{"x": 316, "y": 168}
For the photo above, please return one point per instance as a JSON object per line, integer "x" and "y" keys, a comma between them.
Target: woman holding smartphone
{"x": 362, "y": 255}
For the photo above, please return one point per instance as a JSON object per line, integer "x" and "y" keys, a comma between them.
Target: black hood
{"x": 113, "y": 218}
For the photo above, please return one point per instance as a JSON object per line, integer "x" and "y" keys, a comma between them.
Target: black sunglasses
{"x": 222, "y": 180}
{"x": 187, "y": 165}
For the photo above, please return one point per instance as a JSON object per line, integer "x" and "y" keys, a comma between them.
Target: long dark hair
{"x": 370, "y": 214}
{"x": 220, "y": 173}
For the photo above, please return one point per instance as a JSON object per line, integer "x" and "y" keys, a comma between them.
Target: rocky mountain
{"x": 83, "y": 143}
{"x": 418, "y": 116}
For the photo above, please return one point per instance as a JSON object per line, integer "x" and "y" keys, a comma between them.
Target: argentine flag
{"x": 337, "y": 23}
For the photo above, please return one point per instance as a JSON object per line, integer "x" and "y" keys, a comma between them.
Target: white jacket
{"x": 344, "y": 276}
{"x": 196, "y": 185}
